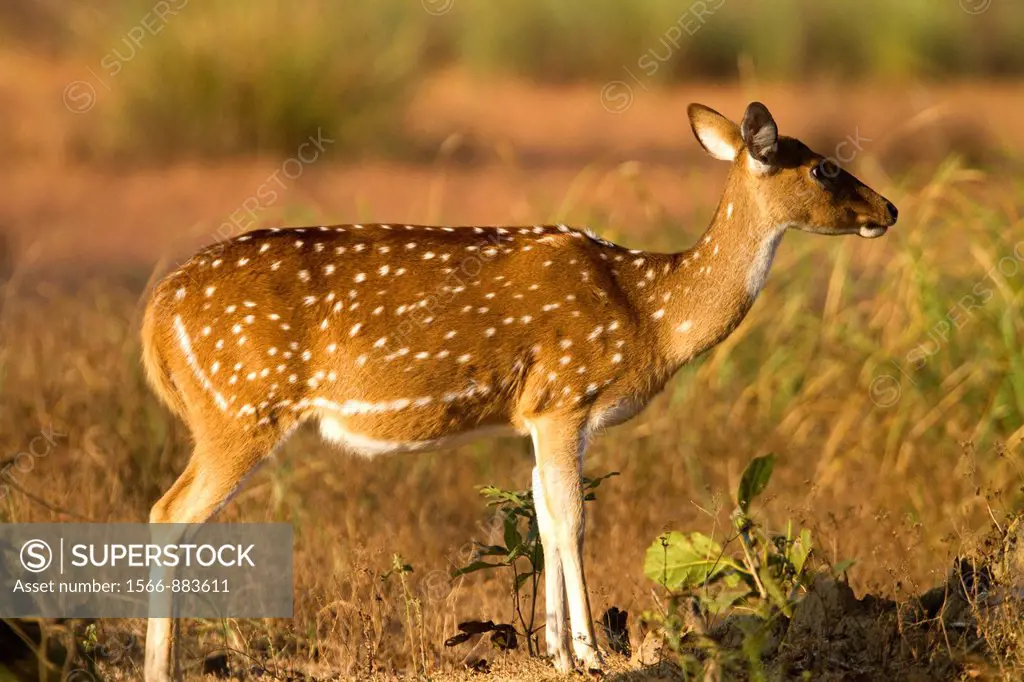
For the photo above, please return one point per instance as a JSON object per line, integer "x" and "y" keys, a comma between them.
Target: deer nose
{"x": 893, "y": 211}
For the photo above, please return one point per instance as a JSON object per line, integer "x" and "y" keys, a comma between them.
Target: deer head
{"x": 783, "y": 183}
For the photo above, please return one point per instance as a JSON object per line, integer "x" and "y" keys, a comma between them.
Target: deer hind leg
{"x": 558, "y": 446}
{"x": 215, "y": 472}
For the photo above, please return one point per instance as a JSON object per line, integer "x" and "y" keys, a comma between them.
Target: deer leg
{"x": 160, "y": 631}
{"x": 209, "y": 481}
{"x": 556, "y": 634}
{"x": 559, "y": 446}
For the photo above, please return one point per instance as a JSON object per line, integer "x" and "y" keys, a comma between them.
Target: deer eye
{"x": 825, "y": 172}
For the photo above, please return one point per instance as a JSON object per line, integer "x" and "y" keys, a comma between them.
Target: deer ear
{"x": 719, "y": 136}
{"x": 760, "y": 134}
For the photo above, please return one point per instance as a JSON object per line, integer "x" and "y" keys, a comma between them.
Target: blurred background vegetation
{"x": 227, "y": 76}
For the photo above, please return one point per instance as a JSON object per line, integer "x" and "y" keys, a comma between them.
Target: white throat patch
{"x": 758, "y": 273}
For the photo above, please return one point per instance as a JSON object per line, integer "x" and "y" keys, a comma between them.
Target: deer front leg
{"x": 556, "y": 634}
{"x": 558, "y": 446}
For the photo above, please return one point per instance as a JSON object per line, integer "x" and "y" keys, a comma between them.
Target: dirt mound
{"x": 835, "y": 636}
{"x": 971, "y": 627}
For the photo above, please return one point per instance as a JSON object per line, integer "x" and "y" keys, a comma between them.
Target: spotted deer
{"x": 399, "y": 338}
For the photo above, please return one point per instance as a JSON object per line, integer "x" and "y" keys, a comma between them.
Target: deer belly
{"x": 337, "y": 431}
{"x": 615, "y": 414}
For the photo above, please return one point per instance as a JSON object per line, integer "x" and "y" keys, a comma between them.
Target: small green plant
{"x": 413, "y": 610}
{"x": 521, "y": 555}
{"x": 755, "y": 573}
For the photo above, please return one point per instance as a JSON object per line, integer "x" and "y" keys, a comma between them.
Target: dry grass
{"x": 888, "y": 376}
{"x": 898, "y": 468}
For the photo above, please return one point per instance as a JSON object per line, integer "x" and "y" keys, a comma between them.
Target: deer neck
{"x": 709, "y": 288}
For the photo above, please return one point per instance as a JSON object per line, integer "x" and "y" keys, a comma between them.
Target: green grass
{"x": 786, "y": 39}
{"x": 223, "y": 78}
{"x": 227, "y": 76}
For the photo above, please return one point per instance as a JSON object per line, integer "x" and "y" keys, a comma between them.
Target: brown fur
{"x": 156, "y": 368}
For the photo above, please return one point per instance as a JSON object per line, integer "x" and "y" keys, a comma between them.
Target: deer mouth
{"x": 872, "y": 231}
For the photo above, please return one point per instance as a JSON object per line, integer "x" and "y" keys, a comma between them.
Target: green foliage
{"x": 661, "y": 40}
{"x": 228, "y": 77}
{"x": 522, "y": 554}
{"x": 559, "y": 41}
{"x": 755, "y": 480}
{"x": 235, "y": 77}
{"x": 759, "y": 572}
{"x": 684, "y": 560}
